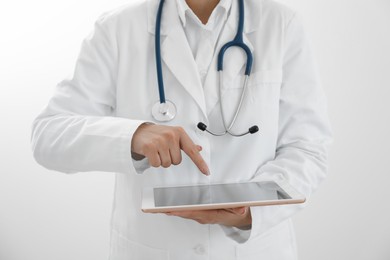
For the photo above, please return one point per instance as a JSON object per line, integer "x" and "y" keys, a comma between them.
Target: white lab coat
{"x": 89, "y": 123}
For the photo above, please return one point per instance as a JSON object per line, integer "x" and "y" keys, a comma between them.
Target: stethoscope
{"x": 165, "y": 110}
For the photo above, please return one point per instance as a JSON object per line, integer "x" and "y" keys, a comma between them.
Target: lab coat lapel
{"x": 177, "y": 55}
{"x": 176, "y": 52}
{"x": 234, "y": 59}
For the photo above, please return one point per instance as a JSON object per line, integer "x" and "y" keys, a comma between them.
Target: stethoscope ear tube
{"x": 238, "y": 42}
{"x": 160, "y": 79}
{"x": 251, "y": 130}
{"x": 165, "y": 110}
{"x": 249, "y": 60}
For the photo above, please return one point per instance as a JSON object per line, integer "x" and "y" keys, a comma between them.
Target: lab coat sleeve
{"x": 141, "y": 165}
{"x": 304, "y": 130}
{"x": 78, "y": 131}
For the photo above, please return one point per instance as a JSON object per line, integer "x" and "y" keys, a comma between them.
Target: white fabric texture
{"x": 89, "y": 123}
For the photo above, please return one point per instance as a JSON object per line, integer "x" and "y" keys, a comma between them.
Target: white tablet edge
{"x": 148, "y": 205}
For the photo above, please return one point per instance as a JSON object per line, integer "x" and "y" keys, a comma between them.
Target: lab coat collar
{"x": 183, "y": 8}
{"x": 251, "y": 19}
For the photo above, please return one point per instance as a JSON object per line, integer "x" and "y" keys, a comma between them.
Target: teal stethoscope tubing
{"x": 158, "y": 53}
{"x": 165, "y": 110}
{"x": 238, "y": 42}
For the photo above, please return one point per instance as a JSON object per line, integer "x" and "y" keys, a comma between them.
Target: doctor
{"x": 100, "y": 119}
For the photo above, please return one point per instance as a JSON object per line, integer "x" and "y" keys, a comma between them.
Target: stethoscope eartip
{"x": 202, "y": 126}
{"x": 254, "y": 129}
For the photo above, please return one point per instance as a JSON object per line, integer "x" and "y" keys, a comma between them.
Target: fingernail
{"x": 200, "y": 148}
{"x": 206, "y": 170}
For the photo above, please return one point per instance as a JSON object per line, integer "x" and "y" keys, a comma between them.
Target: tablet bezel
{"x": 148, "y": 205}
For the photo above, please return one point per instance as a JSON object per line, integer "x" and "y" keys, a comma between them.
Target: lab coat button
{"x": 199, "y": 249}
{"x": 203, "y": 74}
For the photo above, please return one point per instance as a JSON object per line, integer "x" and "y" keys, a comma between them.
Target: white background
{"x": 48, "y": 215}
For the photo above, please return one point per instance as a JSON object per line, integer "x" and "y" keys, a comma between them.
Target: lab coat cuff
{"x": 238, "y": 235}
{"x": 141, "y": 165}
{"x": 128, "y": 164}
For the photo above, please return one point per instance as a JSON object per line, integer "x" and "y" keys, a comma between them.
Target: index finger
{"x": 192, "y": 151}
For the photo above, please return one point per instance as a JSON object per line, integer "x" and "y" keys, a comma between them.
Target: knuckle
{"x": 169, "y": 135}
{"x": 149, "y": 146}
{"x": 153, "y": 160}
{"x": 166, "y": 164}
{"x": 176, "y": 161}
{"x": 180, "y": 129}
{"x": 159, "y": 140}
{"x": 155, "y": 164}
{"x": 193, "y": 151}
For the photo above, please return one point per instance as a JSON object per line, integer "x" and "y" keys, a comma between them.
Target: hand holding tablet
{"x": 236, "y": 217}
{"x": 219, "y": 196}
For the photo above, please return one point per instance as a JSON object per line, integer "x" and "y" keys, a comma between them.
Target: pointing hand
{"x": 162, "y": 145}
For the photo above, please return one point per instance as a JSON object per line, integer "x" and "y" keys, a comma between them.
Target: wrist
{"x": 136, "y": 155}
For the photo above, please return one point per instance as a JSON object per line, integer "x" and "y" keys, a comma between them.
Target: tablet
{"x": 219, "y": 196}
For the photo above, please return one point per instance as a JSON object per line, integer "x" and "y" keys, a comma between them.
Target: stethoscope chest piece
{"x": 164, "y": 112}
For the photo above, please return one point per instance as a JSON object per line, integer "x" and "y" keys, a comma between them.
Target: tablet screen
{"x": 218, "y": 193}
